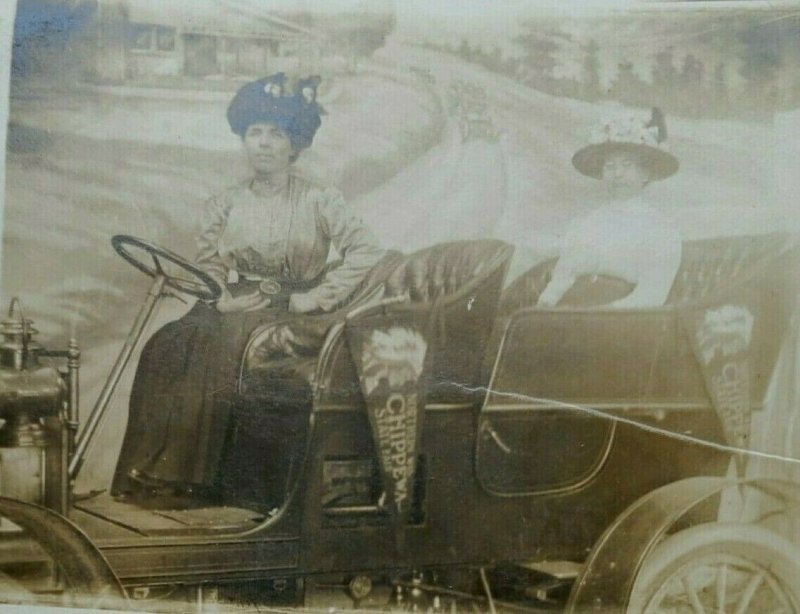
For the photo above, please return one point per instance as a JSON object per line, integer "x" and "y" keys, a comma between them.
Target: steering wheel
{"x": 199, "y": 284}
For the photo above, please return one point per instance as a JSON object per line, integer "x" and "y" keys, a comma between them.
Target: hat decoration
{"x": 307, "y": 90}
{"x": 644, "y": 139}
{"x": 266, "y": 101}
{"x": 274, "y": 84}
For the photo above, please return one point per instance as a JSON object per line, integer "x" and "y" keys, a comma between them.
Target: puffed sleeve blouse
{"x": 287, "y": 233}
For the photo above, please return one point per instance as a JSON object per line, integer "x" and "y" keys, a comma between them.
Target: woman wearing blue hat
{"x": 266, "y": 240}
{"x": 275, "y": 227}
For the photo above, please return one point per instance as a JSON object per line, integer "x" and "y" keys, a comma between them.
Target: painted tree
{"x": 539, "y": 46}
{"x": 591, "y": 70}
{"x": 465, "y": 51}
{"x": 760, "y": 55}
{"x": 761, "y": 58}
{"x": 693, "y": 72}
{"x": 357, "y": 35}
{"x": 664, "y": 74}
{"x": 719, "y": 86}
{"x": 494, "y": 59}
{"x": 628, "y": 87}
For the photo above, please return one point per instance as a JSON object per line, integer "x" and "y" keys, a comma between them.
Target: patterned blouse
{"x": 255, "y": 229}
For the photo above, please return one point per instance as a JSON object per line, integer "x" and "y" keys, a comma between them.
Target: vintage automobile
{"x": 448, "y": 446}
{"x": 467, "y": 103}
{"x": 477, "y": 124}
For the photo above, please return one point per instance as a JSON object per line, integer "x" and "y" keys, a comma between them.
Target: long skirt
{"x": 187, "y": 385}
{"x": 181, "y": 400}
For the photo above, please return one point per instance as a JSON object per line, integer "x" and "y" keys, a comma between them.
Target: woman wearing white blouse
{"x": 627, "y": 238}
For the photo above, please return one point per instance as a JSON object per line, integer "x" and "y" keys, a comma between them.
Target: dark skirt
{"x": 181, "y": 400}
{"x": 186, "y": 389}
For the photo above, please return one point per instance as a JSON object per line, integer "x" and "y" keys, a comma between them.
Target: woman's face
{"x": 624, "y": 175}
{"x": 269, "y": 149}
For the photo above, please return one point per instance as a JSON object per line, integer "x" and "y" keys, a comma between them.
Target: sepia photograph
{"x": 434, "y": 306}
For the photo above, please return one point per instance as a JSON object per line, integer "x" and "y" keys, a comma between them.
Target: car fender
{"x": 86, "y": 567}
{"x": 608, "y": 576}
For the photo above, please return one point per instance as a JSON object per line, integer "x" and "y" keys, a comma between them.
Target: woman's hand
{"x": 302, "y": 303}
{"x": 227, "y": 303}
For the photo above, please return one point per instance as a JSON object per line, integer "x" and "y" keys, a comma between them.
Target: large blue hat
{"x": 264, "y": 101}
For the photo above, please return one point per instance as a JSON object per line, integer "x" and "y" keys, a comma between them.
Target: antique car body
{"x": 577, "y": 435}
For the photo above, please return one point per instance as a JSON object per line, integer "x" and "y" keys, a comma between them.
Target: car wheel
{"x": 57, "y": 563}
{"x": 720, "y": 568}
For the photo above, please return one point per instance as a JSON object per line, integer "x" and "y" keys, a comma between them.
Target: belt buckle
{"x": 269, "y": 287}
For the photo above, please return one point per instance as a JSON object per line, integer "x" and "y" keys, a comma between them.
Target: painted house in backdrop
{"x": 137, "y": 39}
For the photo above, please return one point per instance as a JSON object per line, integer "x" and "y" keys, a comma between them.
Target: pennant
{"x": 721, "y": 337}
{"x": 389, "y": 353}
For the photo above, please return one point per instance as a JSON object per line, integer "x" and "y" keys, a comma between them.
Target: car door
{"x": 563, "y": 381}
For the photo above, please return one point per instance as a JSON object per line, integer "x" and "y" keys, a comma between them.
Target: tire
{"x": 720, "y": 567}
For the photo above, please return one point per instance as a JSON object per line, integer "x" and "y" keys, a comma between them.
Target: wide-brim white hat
{"x": 641, "y": 138}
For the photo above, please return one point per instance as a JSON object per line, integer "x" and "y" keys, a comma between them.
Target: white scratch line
{"x": 645, "y": 427}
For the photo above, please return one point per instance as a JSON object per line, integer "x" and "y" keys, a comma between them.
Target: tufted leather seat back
{"x": 710, "y": 266}
{"x": 445, "y": 269}
{"x": 462, "y": 282}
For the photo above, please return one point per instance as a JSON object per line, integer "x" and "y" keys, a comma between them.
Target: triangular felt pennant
{"x": 721, "y": 337}
{"x": 389, "y": 351}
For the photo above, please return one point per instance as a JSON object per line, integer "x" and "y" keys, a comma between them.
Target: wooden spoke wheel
{"x": 718, "y": 567}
